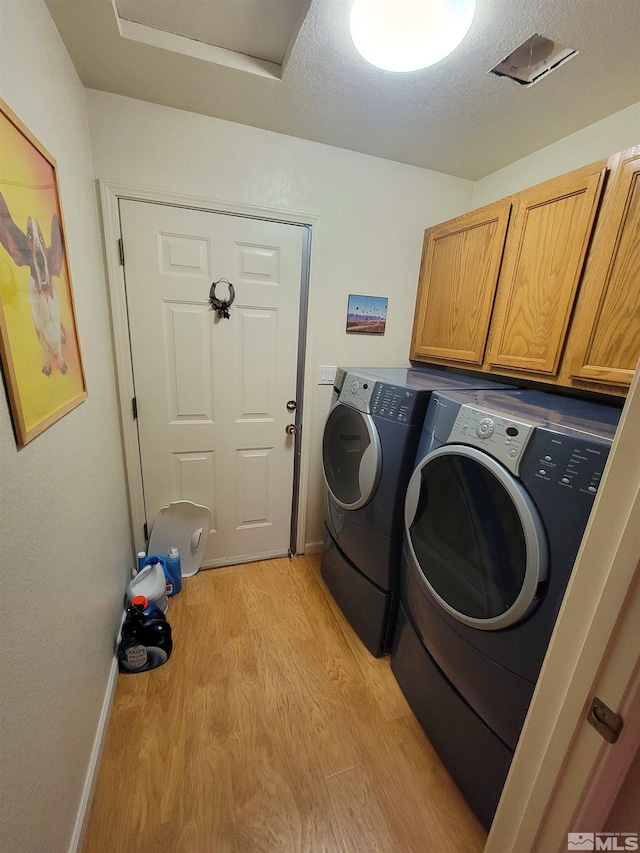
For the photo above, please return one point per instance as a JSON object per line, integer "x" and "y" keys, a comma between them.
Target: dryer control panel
{"x": 504, "y": 438}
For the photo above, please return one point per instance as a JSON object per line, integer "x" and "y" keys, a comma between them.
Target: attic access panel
{"x": 252, "y": 35}
{"x": 533, "y": 59}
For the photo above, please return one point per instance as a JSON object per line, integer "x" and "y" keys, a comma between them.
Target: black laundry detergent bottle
{"x": 146, "y": 638}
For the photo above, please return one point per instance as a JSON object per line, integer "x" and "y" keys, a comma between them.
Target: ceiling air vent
{"x": 535, "y": 58}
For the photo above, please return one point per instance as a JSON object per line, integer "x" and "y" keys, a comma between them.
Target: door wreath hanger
{"x": 221, "y": 305}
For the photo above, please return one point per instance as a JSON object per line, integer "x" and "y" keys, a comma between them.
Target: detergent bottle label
{"x": 136, "y": 656}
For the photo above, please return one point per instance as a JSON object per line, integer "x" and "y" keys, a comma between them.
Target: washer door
{"x": 475, "y": 538}
{"x": 351, "y": 457}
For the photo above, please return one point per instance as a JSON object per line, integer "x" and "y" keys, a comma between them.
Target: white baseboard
{"x": 94, "y": 761}
{"x": 313, "y": 547}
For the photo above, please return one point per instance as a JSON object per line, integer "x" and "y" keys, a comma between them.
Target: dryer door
{"x": 351, "y": 457}
{"x": 476, "y": 540}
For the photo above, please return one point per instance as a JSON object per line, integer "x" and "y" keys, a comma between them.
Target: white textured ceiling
{"x": 454, "y": 117}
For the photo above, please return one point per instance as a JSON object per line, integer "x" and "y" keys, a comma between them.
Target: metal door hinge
{"x": 134, "y": 408}
{"x": 121, "y": 251}
{"x": 605, "y": 721}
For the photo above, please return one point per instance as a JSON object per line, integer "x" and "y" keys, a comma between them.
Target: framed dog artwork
{"x": 41, "y": 360}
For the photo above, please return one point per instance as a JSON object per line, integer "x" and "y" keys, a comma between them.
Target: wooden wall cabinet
{"x": 458, "y": 278}
{"x": 604, "y": 346}
{"x": 543, "y": 260}
{"x": 544, "y": 285}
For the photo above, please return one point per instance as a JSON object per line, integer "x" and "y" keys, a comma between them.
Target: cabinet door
{"x": 606, "y": 334}
{"x": 460, "y": 266}
{"x": 543, "y": 260}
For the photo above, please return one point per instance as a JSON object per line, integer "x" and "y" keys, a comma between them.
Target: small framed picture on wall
{"x": 367, "y": 314}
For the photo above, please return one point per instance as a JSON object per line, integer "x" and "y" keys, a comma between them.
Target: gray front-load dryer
{"x": 368, "y": 452}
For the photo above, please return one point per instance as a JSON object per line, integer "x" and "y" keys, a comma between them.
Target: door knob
{"x": 291, "y": 429}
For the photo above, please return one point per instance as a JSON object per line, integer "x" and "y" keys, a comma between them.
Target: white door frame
{"x": 110, "y": 195}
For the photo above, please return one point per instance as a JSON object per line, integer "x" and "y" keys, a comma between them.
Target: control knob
{"x": 485, "y": 427}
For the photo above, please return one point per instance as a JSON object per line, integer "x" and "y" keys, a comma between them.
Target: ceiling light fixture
{"x": 406, "y": 35}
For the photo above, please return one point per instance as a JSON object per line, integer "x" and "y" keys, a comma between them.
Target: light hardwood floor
{"x": 270, "y": 729}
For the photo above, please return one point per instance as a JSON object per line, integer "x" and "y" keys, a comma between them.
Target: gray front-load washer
{"x": 494, "y": 516}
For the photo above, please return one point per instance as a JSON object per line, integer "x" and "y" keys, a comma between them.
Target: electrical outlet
{"x": 326, "y": 374}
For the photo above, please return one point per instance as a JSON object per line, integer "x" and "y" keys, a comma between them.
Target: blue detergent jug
{"x": 173, "y": 572}
{"x": 146, "y": 639}
{"x": 150, "y": 609}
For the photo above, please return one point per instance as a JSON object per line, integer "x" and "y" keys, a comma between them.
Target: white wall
{"x": 368, "y": 238}
{"x": 64, "y": 530}
{"x": 615, "y": 133}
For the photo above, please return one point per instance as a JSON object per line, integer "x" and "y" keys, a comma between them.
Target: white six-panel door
{"x": 211, "y": 393}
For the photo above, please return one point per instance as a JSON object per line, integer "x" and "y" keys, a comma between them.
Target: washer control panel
{"x": 504, "y": 438}
{"x": 357, "y": 391}
{"x": 566, "y": 463}
{"x": 537, "y": 453}
{"x": 394, "y": 403}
